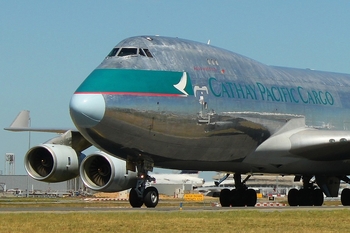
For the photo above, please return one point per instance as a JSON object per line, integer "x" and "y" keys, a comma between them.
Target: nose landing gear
{"x": 141, "y": 194}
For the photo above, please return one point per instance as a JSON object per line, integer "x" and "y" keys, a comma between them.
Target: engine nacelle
{"x": 52, "y": 163}
{"x": 103, "y": 172}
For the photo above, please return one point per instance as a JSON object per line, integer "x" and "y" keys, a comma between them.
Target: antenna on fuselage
{"x": 208, "y": 42}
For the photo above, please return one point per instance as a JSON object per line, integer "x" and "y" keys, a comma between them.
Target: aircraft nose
{"x": 87, "y": 110}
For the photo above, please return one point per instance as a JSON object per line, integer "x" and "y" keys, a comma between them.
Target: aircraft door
{"x": 204, "y": 115}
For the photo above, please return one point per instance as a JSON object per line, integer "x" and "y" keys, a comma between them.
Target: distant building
{"x": 176, "y": 190}
{"x": 22, "y": 183}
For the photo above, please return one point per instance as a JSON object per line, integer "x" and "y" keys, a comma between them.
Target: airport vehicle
{"x": 179, "y": 104}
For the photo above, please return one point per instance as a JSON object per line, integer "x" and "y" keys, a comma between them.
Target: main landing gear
{"x": 240, "y": 196}
{"x": 310, "y": 195}
{"x": 141, "y": 194}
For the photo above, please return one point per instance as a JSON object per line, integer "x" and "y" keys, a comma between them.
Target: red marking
{"x": 133, "y": 93}
{"x": 270, "y": 204}
{"x": 207, "y": 68}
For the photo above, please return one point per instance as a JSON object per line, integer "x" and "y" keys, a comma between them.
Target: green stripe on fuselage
{"x": 134, "y": 81}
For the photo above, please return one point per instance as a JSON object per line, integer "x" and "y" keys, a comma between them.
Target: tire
{"x": 250, "y": 197}
{"x": 225, "y": 198}
{"x": 305, "y": 197}
{"x": 317, "y": 197}
{"x": 293, "y": 197}
{"x": 345, "y": 197}
{"x": 238, "y": 197}
{"x": 134, "y": 200}
{"x": 151, "y": 197}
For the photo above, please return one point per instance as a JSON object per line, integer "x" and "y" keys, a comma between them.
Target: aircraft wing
{"x": 314, "y": 144}
{"x": 48, "y": 130}
{"x": 321, "y": 145}
{"x": 22, "y": 124}
{"x": 70, "y": 137}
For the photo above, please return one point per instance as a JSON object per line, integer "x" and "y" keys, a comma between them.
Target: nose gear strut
{"x": 141, "y": 194}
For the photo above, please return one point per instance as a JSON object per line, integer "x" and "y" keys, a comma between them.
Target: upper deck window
{"x": 213, "y": 62}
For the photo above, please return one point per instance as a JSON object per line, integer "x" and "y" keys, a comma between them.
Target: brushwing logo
{"x": 182, "y": 84}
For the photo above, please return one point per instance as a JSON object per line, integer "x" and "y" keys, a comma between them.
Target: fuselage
{"x": 188, "y": 105}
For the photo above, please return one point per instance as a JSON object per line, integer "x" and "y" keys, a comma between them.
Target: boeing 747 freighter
{"x": 180, "y": 104}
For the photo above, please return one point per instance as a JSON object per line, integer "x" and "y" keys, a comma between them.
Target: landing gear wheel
{"x": 250, "y": 197}
{"x": 293, "y": 197}
{"x": 225, "y": 198}
{"x": 235, "y": 198}
{"x": 134, "y": 199}
{"x": 345, "y": 197}
{"x": 317, "y": 197}
{"x": 305, "y": 198}
{"x": 151, "y": 197}
{"x": 238, "y": 197}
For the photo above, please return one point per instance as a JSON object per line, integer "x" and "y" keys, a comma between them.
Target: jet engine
{"x": 103, "y": 172}
{"x": 52, "y": 163}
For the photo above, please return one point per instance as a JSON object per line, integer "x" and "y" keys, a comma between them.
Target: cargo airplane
{"x": 179, "y": 104}
{"x": 184, "y": 177}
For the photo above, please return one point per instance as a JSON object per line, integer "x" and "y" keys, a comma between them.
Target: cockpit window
{"x": 122, "y": 52}
{"x": 142, "y": 53}
{"x": 148, "y": 53}
{"x": 113, "y": 52}
{"x": 127, "y": 52}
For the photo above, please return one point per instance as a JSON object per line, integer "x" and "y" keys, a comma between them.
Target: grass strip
{"x": 179, "y": 221}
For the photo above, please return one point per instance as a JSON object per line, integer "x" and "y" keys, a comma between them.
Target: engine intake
{"x": 52, "y": 163}
{"x": 103, "y": 172}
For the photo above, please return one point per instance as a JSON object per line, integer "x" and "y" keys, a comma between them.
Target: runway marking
{"x": 270, "y": 204}
{"x": 105, "y": 199}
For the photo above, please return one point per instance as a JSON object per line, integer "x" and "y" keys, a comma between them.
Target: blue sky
{"x": 47, "y": 48}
